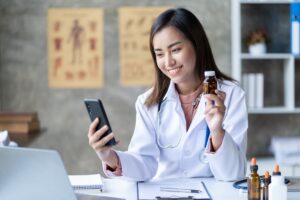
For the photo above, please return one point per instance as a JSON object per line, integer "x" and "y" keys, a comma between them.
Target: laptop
{"x": 34, "y": 174}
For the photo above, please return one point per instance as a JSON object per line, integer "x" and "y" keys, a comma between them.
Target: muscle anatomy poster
{"x": 75, "y": 48}
{"x": 137, "y": 67}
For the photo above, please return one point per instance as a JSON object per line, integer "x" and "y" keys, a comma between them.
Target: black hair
{"x": 186, "y": 22}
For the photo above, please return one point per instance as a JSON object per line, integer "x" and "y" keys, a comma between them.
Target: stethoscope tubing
{"x": 160, "y": 109}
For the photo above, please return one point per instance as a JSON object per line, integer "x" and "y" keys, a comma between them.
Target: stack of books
{"x": 19, "y": 122}
{"x": 253, "y": 84}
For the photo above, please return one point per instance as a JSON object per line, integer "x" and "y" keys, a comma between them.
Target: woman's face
{"x": 175, "y": 56}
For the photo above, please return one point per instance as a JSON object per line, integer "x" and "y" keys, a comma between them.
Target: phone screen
{"x": 95, "y": 109}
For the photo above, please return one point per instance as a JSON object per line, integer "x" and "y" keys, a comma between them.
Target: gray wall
{"x": 24, "y": 84}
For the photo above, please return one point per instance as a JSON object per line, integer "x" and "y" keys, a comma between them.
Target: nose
{"x": 169, "y": 61}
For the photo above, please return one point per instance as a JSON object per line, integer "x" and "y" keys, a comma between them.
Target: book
{"x": 295, "y": 28}
{"x": 20, "y": 127}
{"x": 252, "y": 90}
{"x": 85, "y": 182}
{"x": 259, "y": 90}
{"x": 18, "y": 116}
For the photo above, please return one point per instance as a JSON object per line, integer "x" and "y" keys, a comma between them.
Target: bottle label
{"x": 209, "y": 87}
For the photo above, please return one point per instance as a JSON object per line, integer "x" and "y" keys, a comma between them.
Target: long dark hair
{"x": 190, "y": 26}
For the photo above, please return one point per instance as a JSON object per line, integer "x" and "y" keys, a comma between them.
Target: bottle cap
{"x": 209, "y": 73}
{"x": 276, "y": 171}
{"x": 267, "y": 177}
{"x": 253, "y": 165}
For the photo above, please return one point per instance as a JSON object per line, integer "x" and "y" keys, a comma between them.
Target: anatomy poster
{"x": 75, "y": 48}
{"x": 135, "y": 58}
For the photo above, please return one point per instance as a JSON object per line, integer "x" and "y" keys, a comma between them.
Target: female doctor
{"x": 178, "y": 132}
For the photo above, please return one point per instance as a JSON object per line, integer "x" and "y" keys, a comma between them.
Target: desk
{"x": 218, "y": 190}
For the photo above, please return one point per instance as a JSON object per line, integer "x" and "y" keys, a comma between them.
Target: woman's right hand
{"x": 104, "y": 152}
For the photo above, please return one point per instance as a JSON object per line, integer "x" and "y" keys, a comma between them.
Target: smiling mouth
{"x": 174, "y": 70}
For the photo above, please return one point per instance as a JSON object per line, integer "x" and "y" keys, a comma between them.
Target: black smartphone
{"x": 95, "y": 109}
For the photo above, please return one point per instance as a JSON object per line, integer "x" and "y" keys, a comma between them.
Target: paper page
{"x": 92, "y": 181}
{"x": 177, "y": 188}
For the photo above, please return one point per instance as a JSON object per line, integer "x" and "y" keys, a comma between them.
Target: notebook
{"x": 84, "y": 182}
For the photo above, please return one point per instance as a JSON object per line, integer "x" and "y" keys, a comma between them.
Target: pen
{"x": 170, "y": 189}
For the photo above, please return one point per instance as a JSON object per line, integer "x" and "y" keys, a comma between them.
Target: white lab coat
{"x": 146, "y": 160}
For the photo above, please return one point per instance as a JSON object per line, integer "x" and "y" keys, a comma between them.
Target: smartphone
{"x": 95, "y": 109}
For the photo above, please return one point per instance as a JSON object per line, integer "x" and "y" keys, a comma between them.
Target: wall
{"x": 23, "y": 77}
{"x": 24, "y": 84}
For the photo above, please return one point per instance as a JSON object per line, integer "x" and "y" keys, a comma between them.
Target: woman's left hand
{"x": 214, "y": 115}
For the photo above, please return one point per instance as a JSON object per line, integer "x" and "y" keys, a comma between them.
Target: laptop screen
{"x": 33, "y": 174}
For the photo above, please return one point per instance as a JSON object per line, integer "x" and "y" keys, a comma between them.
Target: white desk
{"x": 218, "y": 190}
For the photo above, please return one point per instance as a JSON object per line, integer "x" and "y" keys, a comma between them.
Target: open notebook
{"x": 84, "y": 182}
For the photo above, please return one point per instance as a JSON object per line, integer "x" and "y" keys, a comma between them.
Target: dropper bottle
{"x": 277, "y": 188}
{"x": 265, "y": 189}
{"x": 253, "y": 182}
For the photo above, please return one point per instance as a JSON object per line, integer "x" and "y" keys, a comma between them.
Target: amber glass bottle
{"x": 210, "y": 82}
{"x": 265, "y": 191}
{"x": 253, "y": 182}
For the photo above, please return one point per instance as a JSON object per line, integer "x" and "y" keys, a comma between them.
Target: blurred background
{"x": 63, "y": 118}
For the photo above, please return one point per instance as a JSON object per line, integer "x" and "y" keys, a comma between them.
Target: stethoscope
{"x": 202, "y": 154}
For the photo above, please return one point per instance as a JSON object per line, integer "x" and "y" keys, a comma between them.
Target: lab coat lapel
{"x": 171, "y": 93}
{"x": 199, "y": 116}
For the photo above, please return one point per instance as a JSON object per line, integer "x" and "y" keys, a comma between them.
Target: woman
{"x": 172, "y": 117}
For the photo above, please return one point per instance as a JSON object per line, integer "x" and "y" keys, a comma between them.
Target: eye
{"x": 159, "y": 55}
{"x": 176, "y": 50}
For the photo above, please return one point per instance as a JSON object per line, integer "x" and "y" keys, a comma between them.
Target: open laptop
{"x": 34, "y": 174}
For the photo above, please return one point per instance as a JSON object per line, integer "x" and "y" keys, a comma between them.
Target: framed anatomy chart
{"x": 137, "y": 68}
{"x": 75, "y": 48}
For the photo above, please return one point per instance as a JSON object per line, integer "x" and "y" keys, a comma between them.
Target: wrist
{"x": 217, "y": 132}
{"x": 116, "y": 169}
{"x": 104, "y": 155}
{"x": 217, "y": 139}
{"x": 110, "y": 158}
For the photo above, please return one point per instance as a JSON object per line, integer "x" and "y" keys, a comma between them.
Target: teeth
{"x": 174, "y": 71}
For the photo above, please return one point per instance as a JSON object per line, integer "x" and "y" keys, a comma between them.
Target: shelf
{"x": 279, "y": 67}
{"x": 266, "y": 1}
{"x": 273, "y": 110}
{"x": 267, "y": 56}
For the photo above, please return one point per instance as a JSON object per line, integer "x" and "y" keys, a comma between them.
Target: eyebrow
{"x": 169, "y": 46}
